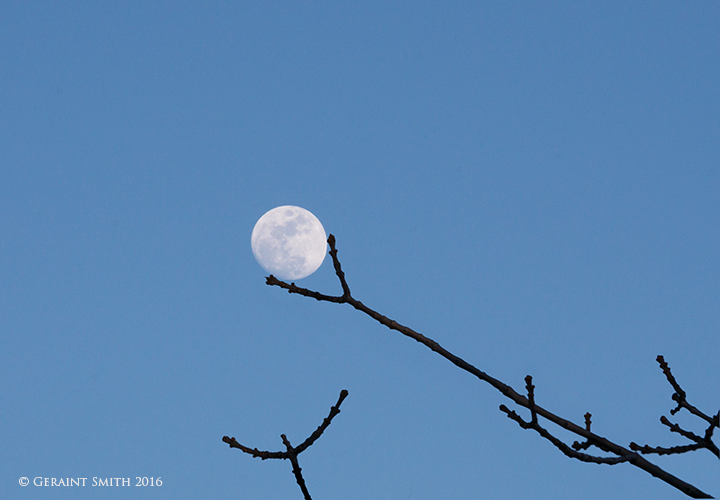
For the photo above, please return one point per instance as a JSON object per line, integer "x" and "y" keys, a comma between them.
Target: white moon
{"x": 289, "y": 242}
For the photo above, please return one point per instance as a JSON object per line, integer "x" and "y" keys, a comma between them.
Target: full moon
{"x": 289, "y": 242}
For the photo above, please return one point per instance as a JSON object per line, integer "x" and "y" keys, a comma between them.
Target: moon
{"x": 289, "y": 242}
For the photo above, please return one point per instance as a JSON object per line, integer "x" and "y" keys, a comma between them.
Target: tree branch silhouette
{"x": 622, "y": 454}
{"x": 680, "y": 397}
{"x": 291, "y": 452}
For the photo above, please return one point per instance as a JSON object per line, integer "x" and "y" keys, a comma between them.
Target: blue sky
{"x": 533, "y": 185}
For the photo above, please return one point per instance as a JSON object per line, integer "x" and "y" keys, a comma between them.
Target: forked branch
{"x": 291, "y": 452}
{"x": 621, "y": 453}
{"x": 680, "y": 397}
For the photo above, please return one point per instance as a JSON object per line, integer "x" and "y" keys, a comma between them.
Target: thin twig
{"x": 531, "y": 398}
{"x": 680, "y": 397}
{"x": 585, "y": 444}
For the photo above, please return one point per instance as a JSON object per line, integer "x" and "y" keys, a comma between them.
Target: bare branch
{"x": 263, "y": 455}
{"x": 583, "y": 457}
{"x": 622, "y": 454}
{"x": 665, "y": 451}
{"x": 334, "y": 410}
{"x": 297, "y": 471}
{"x": 680, "y": 397}
{"x": 585, "y": 444}
{"x": 531, "y": 398}
{"x": 676, "y": 428}
{"x": 290, "y": 452}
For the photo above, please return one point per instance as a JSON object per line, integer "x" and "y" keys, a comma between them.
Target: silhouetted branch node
{"x": 567, "y": 450}
{"x": 291, "y": 452}
{"x": 680, "y": 397}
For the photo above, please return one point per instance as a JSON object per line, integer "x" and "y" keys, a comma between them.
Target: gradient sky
{"x": 534, "y": 185}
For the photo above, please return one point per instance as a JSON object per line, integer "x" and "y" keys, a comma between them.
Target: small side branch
{"x": 568, "y": 451}
{"x": 680, "y": 397}
{"x": 586, "y": 444}
{"x": 531, "y": 399}
{"x": 291, "y": 452}
{"x": 572, "y": 452}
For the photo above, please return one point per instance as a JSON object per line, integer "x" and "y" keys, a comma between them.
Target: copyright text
{"x": 95, "y": 481}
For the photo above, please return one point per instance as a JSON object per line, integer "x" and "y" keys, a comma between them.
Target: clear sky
{"x": 535, "y": 185}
